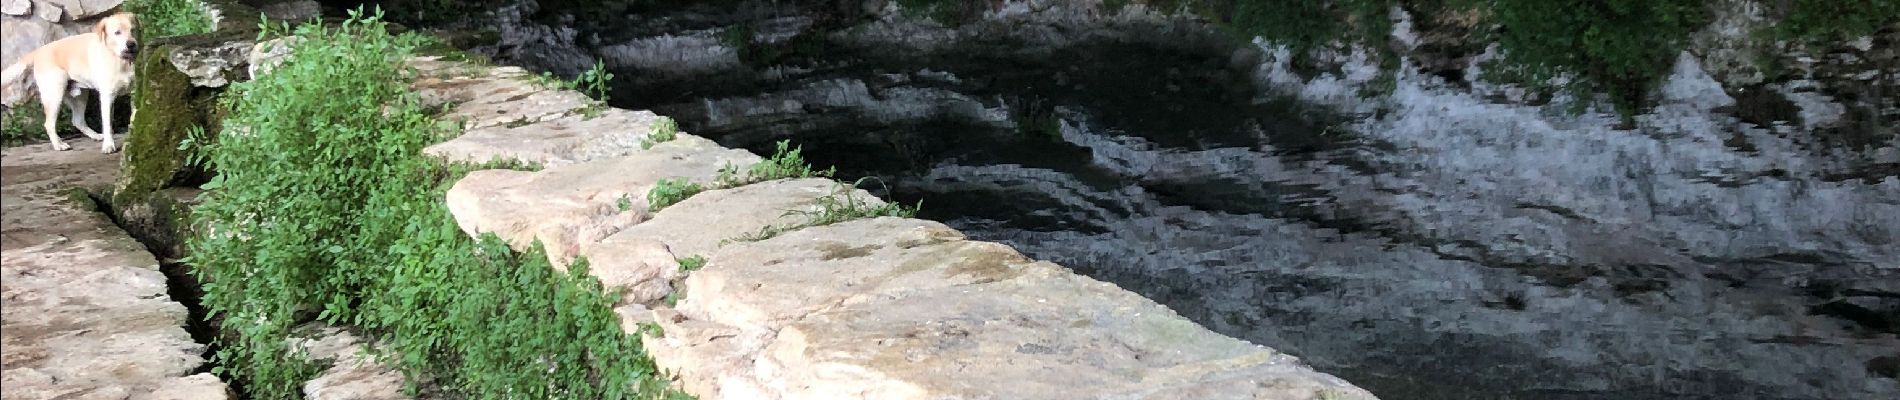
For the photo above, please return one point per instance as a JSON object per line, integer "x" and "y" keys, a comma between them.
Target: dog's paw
{"x": 109, "y": 148}
{"x": 62, "y": 146}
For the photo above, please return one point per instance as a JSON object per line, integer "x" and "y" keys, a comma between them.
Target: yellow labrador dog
{"x": 100, "y": 60}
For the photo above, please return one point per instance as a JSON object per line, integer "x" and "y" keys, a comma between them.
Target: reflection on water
{"x": 1464, "y": 253}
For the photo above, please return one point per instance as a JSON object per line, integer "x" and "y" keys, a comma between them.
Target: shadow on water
{"x": 1162, "y": 170}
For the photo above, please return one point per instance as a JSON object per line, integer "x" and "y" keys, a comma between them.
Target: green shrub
{"x": 317, "y": 207}
{"x": 162, "y": 18}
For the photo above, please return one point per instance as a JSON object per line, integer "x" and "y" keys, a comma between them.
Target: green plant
{"x": 1823, "y": 20}
{"x": 22, "y": 124}
{"x": 786, "y": 162}
{"x": 196, "y": 146}
{"x": 323, "y": 206}
{"x": 162, "y": 18}
{"x": 693, "y": 263}
{"x": 664, "y": 130}
{"x": 624, "y": 203}
{"x": 594, "y": 84}
{"x": 839, "y": 206}
{"x": 671, "y": 191}
{"x": 1619, "y": 47}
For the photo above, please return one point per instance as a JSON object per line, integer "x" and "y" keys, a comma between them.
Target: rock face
{"x": 885, "y": 308}
{"x": 86, "y": 314}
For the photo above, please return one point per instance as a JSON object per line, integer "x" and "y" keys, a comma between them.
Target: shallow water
{"x": 1475, "y": 251}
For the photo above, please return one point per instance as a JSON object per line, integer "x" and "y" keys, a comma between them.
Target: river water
{"x": 1440, "y": 244}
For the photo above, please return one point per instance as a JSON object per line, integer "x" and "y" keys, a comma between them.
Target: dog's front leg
{"x": 106, "y": 95}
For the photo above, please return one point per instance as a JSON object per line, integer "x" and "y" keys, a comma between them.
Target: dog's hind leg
{"x": 77, "y": 98}
{"x": 51, "y": 91}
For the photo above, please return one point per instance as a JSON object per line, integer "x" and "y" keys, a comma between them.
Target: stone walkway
{"x": 86, "y": 314}
{"x": 884, "y": 308}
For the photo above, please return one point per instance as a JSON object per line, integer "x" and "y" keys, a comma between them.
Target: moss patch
{"x": 166, "y": 107}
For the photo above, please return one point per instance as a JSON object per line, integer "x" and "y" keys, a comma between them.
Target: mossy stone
{"x": 166, "y": 106}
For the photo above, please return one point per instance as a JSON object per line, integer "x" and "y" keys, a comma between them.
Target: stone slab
{"x": 86, "y": 312}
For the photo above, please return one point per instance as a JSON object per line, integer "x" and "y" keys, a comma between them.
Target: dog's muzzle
{"x": 131, "y": 51}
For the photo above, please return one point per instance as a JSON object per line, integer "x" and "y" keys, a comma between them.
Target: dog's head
{"x": 117, "y": 32}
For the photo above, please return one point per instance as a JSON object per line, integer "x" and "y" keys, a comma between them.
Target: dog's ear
{"x": 100, "y": 28}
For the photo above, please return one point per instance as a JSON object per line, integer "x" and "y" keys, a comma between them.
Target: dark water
{"x": 1476, "y": 262}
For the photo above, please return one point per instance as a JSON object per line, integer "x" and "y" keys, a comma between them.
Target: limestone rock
{"x": 698, "y": 225}
{"x": 486, "y": 97}
{"x": 268, "y": 54}
{"x": 87, "y": 312}
{"x": 354, "y": 373}
{"x": 892, "y": 308}
{"x": 196, "y": 387}
{"x": 568, "y": 206}
{"x": 644, "y": 267}
{"x": 296, "y": 10}
{"x": 82, "y": 9}
{"x": 15, "y": 7}
{"x": 215, "y": 60}
{"x": 559, "y": 141}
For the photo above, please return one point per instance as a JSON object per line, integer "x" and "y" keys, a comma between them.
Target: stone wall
{"x": 884, "y": 308}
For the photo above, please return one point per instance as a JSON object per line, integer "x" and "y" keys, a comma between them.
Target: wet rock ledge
{"x": 884, "y": 308}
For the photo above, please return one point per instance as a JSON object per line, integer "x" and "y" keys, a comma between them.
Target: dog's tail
{"x": 17, "y": 70}
{"x": 13, "y": 73}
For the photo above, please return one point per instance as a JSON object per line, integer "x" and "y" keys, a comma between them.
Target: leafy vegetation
{"x": 1622, "y": 48}
{"x": 21, "y": 124}
{"x": 692, "y": 263}
{"x": 1819, "y": 20}
{"x": 671, "y": 191}
{"x": 162, "y": 18}
{"x": 664, "y": 130}
{"x": 317, "y": 211}
{"x": 785, "y": 163}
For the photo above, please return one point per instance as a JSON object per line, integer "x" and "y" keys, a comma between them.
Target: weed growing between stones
{"x": 693, "y": 263}
{"x": 664, "y": 130}
{"x": 785, "y": 163}
{"x": 671, "y": 191}
{"x": 687, "y": 265}
{"x": 594, "y": 84}
{"x": 839, "y": 206}
{"x": 317, "y": 213}
{"x": 162, "y": 18}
